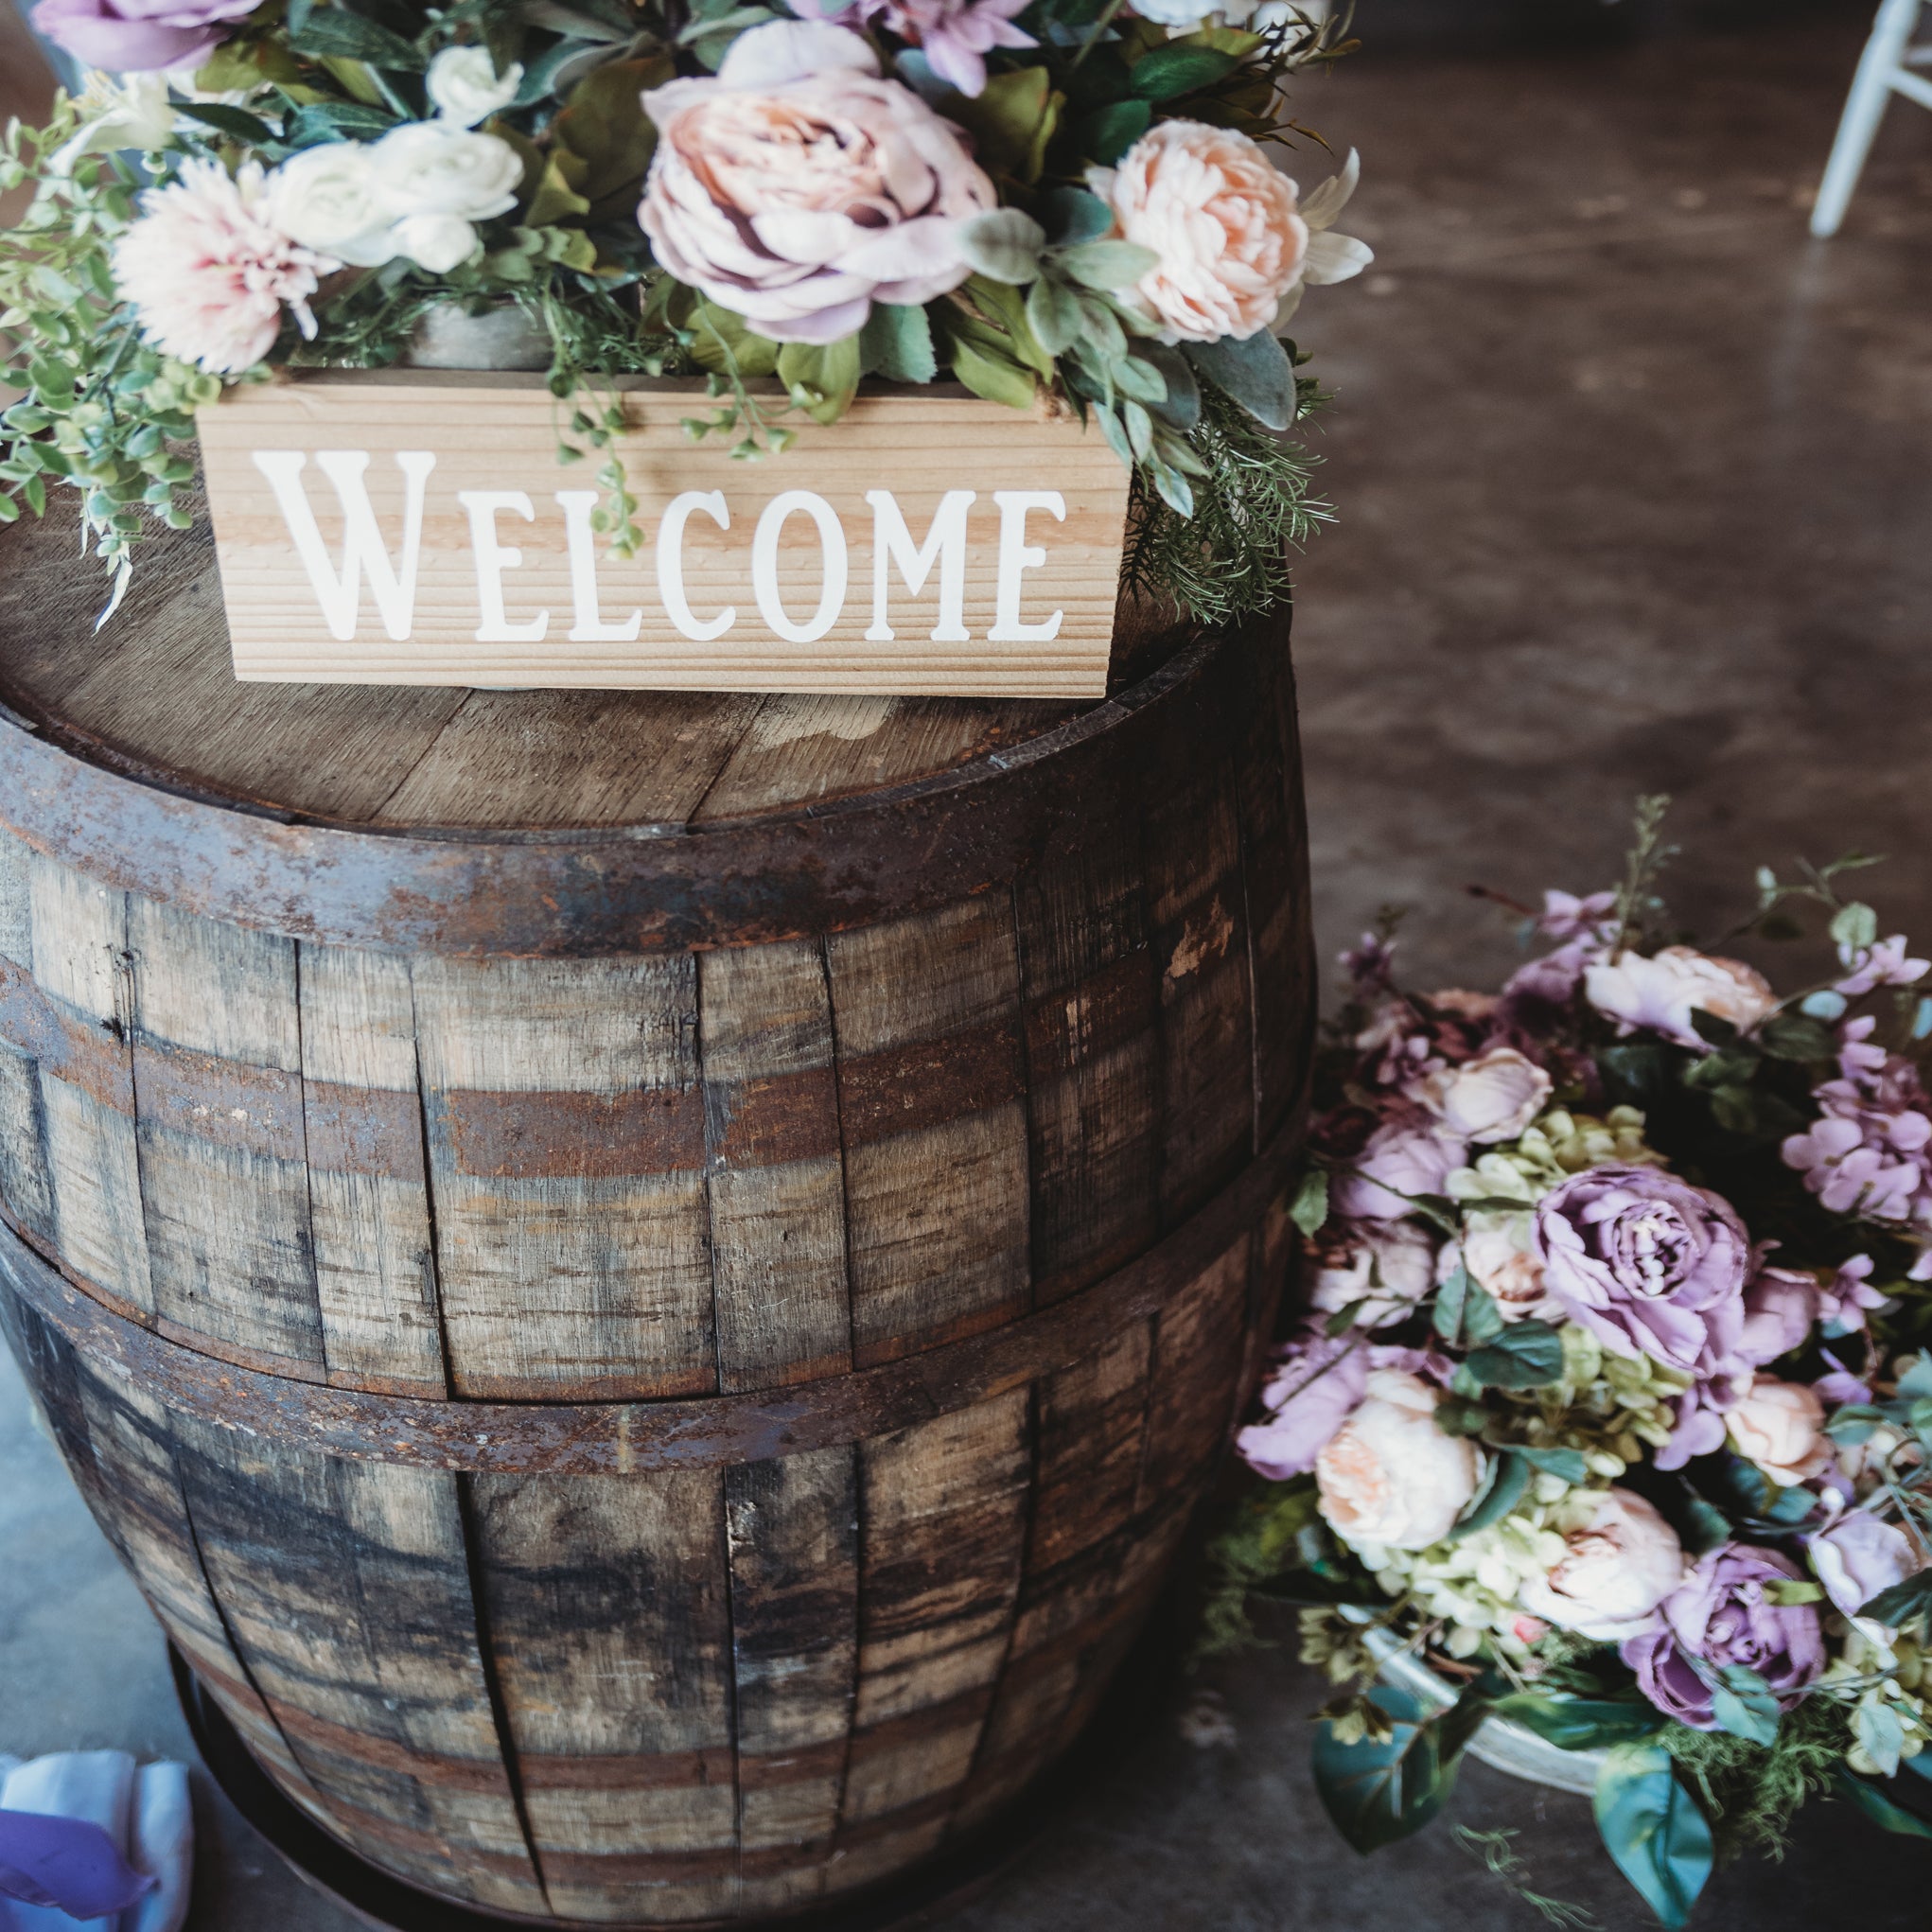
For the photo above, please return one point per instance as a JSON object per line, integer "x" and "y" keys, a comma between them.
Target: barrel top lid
{"x": 151, "y": 694}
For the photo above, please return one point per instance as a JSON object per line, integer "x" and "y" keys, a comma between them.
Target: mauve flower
{"x": 209, "y": 266}
{"x": 1855, "y": 1560}
{"x": 1720, "y": 1615}
{"x": 955, "y": 36}
{"x": 1869, "y": 1153}
{"x": 1780, "y": 1426}
{"x": 1389, "y": 1477}
{"x": 1550, "y": 980}
{"x": 1567, "y": 917}
{"x": 136, "y": 35}
{"x": 1312, "y": 1393}
{"x": 1659, "y": 994}
{"x": 1401, "y": 1159}
{"x": 1387, "y": 1266}
{"x": 1848, "y": 1297}
{"x": 1620, "y": 1561}
{"x": 1779, "y": 1307}
{"x": 1222, "y": 223}
{"x": 797, "y": 187}
{"x": 1493, "y": 1096}
{"x": 1650, "y": 1265}
{"x": 1883, "y": 964}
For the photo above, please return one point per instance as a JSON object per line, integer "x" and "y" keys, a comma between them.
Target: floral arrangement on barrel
{"x": 1613, "y": 1401}
{"x": 1067, "y": 199}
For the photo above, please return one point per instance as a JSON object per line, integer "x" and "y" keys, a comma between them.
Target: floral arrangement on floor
{"x": 1058, "y": 198}
{"x": 1613, "y": 1396}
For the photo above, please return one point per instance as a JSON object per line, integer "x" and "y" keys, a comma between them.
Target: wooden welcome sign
{"x": 417, "y": 528}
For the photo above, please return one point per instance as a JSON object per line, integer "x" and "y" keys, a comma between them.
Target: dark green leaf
{"x": 1796, "y": 1036}
{"x": 1173, "y": 70}
{"x": 227, "y": 121}
{"x": 1710, "y": 1029}
{"x": 1903, "y": 1603}
{"x": 1106, "y": 135}
{"x": 1311, "y": 1209}
{"x": 1458, "y": 1415}
{"x": 1654, "y": 1829}
{"x": 1528, "y": 1356}
{"x": 1581, "y": 1723}
{"x": 1566, "y": 1463}
{"x": 336, "y": 120}
{"x": 1072, "y": 215}
{"x": 346, "y": 36}
{"x": 1743, "y": 1704}
{"x": 1880, "y": 1809}
{"x": 1255, "y": 372}
{"x": 896, "y": 343}
{"x": 1637, "y": 1070}
{"x": 1498, "y": 1492}
{"x": 1377, "y": 1793}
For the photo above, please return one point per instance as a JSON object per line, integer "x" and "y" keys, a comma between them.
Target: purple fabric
{"x": 67, "y": 1864}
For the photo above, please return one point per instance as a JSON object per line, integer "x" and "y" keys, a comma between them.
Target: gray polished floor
{"x": 1638, "y": 495}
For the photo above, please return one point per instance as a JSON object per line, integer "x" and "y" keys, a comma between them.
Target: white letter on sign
{"x": 765, "y": 566}
{"x": 363, "y": 551}
{"x": 671, "y": 563}
{"x": 945, "y": 541}
{"x": 492, "y": 560}
{"x": 589, "y": 627}
{"x": 1017, "y": 554}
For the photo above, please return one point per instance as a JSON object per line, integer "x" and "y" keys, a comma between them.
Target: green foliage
{"x": 1883, "y": 1812}
{"x": 1528, "y": 1355}
{"x": 1749, "y": 1790}
{"x": 1582, "y": 1724}
{"x": 1380, "y": 1788}
{"x": 1496, "y": 1851}
{"x": 1653, "y": 1827}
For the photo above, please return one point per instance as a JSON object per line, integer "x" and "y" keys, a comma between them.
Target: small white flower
{"x": 466, "y": 88}
{"x": 330, "y": 197}
{"x": 433, "y": 168}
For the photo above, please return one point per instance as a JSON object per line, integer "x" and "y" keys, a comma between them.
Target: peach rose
{"x": 1389, "y": 1476}
{"x": 797, "y": 187}
{"x": 1223, "y": 219}
{"x": 1619, "y": 1560}
{"x": 1780, "y": 1426}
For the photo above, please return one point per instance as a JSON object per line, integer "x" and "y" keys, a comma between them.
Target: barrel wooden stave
{"x": 729, "y": 1689}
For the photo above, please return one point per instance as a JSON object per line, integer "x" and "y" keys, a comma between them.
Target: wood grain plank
{"x": 942, "y": 1518}
{"x": 26, "y": 1183}
{"x": 805, "y": 749}
{"x": 1199, "y": 917}
{"x": 930, "y": 1079}
{"x": 1094, "y": 1063}
{"x": 347, "y": 1588}
{"x": 1200, "y": 1349}
{"x": 775, "y": 1171}
{"x": 218, "y": 1090}
{"x": 567, "y": 1154}
{"x": 80, "y": 943}
{"x": 570, "y": 758}
{"x": 608, "y": 1610}
{"x": 794, "y": 1546}
{"x": 368, "y": 1184}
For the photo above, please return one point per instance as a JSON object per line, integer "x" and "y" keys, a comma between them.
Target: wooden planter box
{"x": 415, "y": 527}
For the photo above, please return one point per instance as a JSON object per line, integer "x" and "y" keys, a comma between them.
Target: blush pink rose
{"x": 797, "y": 187}
{"x": 1223, "y": 222}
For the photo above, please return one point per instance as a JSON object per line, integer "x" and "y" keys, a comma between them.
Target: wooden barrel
{"x": 646, "y": 1284}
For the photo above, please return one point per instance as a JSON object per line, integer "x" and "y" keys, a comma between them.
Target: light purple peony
{"x": 1319, "y": 1383}
{"x": 1779, "y": 1307}
{"x": 1402, "y": 1161}
{"x": 1720, "y": 1615}
{"x": 135, "y": 36}
{"x": 955, "y": 36}
{"x": 1650, "y": 1265}
{"x": 1857, "y": 1559}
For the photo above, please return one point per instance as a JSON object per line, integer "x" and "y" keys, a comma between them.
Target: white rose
{"x": 1390, "y": 1477}
{"x": 1499, "y": 1250}
{"x": 430, "y": 167}
{"x": 1621, "y": 1559}
{"x": 1493, "y": 1096}
{"x": 465, "y": 87}
{"x": 436, "y": 242}
{"x": 1662, "y": 992}
{"x": 328, "y": 197}
{"x": 1780, "y": 1426}
{"x": 1387, "y": 1264}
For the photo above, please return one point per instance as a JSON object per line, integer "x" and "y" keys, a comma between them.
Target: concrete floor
{"x": 1637, "y": 496}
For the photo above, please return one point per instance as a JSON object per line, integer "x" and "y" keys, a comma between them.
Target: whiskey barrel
{"x": 646, "y": 1284}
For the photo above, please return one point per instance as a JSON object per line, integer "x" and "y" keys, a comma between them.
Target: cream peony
{"x": 1493, "y": 1096}
{"x": 1499, "y": 1250}
{"x": 1389, "y": 1478}
{"x": 1780, "y": 1426}
{"x": 1220, "y": 218}
{"x": 1619, "y": 1560}
{"x": 1386, "y": 1265}
{"x": 209, "y": 268}
{"x": 1661, "y": 994}
{"x": 465, "y": 87}
{"x": 797, "y": 187}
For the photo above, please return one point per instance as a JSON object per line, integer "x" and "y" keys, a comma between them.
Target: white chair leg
{"x": 1865, "y": 106}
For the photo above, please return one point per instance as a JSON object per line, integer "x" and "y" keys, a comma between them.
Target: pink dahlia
{"x": 955, "y": 36}
{"x": 208, "y": 267}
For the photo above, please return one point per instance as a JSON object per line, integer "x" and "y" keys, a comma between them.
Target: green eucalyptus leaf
{"x": 1581, "y": 1723}
{"x": 335, "y": 32}
{"x": 1377, "y": 1793}
{"x": 1500, "y": 1491}
{"x": 1880, "y": 1809}
{"x": 1903, "y": 1603}
{"x": 1179, "y": 408}
{"x": 1073, "y": 215}
{"x": 1855, "y": 926}
{"x": 1566, "y": 1463}
{"x": 1743, "y": 1704}
{"x": 1653, "y": 1828}
{"x": 1255, "y": 371}
{"x": 228, "y": 120}
{"x": 1108, "y": 265}
{"x": 1106, "y": 134}
{"x": 989, "y": 371}
{"x": 1880, "y": 1732}
{"x": 829, "y": 370}
{"x": 1309, "y": 1210}
{"x": 896, "y": 343}
{"x": 1528, "y": 1355}
{"x": 1053, "y": 313}
{"x": 1003, "y": 244}
{"x": 1140, "y": 379}
{"x": 1175, "y": 68}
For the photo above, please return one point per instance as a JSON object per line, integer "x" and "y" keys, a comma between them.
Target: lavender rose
{"x": 136, "y": 35}
{"x": 1857, "y": 1559}
{"x": 1650, "y": 1265}
{"x": 1400, "y": 1162}
{"x": 1721, "y": 1615}
{"x": 1492, "y": 1096}
{"x": 1321, "y": 1380}
{"x": 797, "y": 187}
